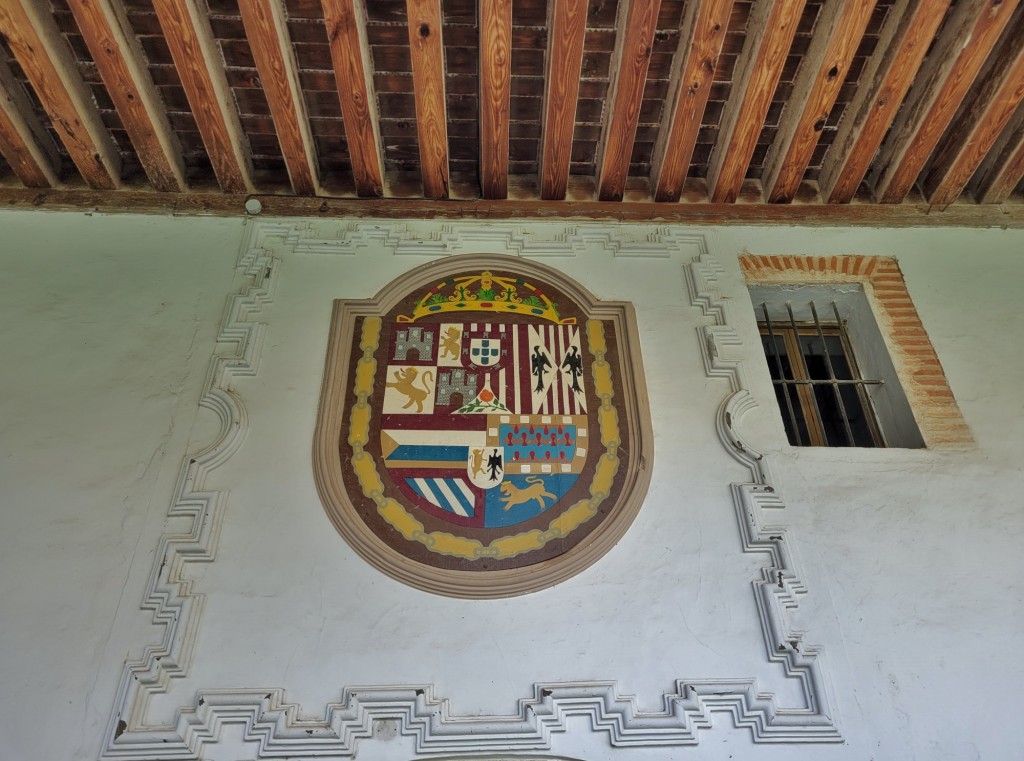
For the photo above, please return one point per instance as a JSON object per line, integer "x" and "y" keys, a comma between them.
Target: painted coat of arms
{"x": 483, "y": 428}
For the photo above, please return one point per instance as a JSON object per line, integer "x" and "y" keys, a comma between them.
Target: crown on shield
{"x": 487, "y": 293}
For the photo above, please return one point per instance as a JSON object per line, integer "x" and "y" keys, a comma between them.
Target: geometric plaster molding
{"x": 780, "y": 584}
{"x": 429, "y": 238}
{"x": 176, "y": 607}
{"x": 921, "y": 375}
{"x": 280, "y": 730}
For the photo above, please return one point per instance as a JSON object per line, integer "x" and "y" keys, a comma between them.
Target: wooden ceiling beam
{"x": 905, "y": 37}
{"x": 634, "y": 36}
{"x": 1003, "y": 168}
{"x": 427, "y": 48}
{"x": 702, "y": 34}
{"x": 271, "y": 48}
{"x": 187, "y": 32}
{"x": 114, "y": 49}
{"x": 24, "y": 142}
{"x": 980, "y": 122}
{"x": 567, "y": 26}
{"x": 770, "y": 33}
{"x": 353, "y": 73}
{"x": 47, "y": 61}
{"x": 1009, "y": 215}
{"x": 955, "y": 60}
{"x": 838, "y": 32}
{"x": 495, "y": 96}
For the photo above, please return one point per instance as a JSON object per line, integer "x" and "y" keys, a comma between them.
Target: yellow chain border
{"x": 459, "y": 546}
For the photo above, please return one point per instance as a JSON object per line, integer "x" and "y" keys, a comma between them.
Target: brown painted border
{"x": 327, "y": 465}
{"x": 924, "y": 381}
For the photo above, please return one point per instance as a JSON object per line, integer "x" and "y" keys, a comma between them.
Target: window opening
{"x": 818, "y": 385}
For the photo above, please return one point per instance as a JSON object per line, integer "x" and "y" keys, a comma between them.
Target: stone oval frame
{"x": 634, "y": 461}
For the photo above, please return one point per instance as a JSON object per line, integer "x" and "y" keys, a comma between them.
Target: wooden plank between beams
{"x": 495, "y": 96}
{"x": 908, "y": 31}
{"x": 130, "y": 87}
{"x": 837, "y": 34}
{"x": 353, "y": 72}
{"x": 770, "y": 33}
{"x": 980, "y": 123}
{"x": 634, "y": 36}
{"x": 50, "y": 67}
{"x": 702, "y": 34}
{"x": 272, "y": 49}
{"x": 944, "y": 80}
{"x": 188, "y": 35}
{"x": 24, "y": 142}
{"x": 567, "y": 26}
{"x": 428, "y": 80}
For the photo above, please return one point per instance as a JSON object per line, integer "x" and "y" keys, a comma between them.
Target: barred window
{"x": 834, "y": 381}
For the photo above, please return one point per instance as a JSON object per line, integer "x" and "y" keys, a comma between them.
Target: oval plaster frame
{"x": 327, "y": 466}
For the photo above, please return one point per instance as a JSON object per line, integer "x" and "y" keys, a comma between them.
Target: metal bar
{"x": 877, "y": 433}
{"x": 778, "y": 364}
{"x": 837, "y": 382}
{"x": 832, "y": 376}
{"x": 806, "y": 374}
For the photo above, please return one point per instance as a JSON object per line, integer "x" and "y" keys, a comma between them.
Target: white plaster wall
{"x": 108, "y": 325}
{"x": 910, "y": 557}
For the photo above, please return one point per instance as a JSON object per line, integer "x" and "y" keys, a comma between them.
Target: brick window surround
{"x": 937, "y": 414}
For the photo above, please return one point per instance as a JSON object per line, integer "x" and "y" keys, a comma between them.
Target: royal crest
{"x": 482, "y": 433}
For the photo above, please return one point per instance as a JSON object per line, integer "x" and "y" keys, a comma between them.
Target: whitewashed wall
{"x": 117, "y": 328}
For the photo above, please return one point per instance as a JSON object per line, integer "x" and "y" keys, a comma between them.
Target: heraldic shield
{"x": 484, "y": 428}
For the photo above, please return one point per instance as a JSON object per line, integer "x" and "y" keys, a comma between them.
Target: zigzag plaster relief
{"x": 282, "y": 730}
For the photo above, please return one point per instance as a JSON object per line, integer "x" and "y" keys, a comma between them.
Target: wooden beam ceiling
{"x": 118, "y": 59}
{"x": 271, "y": 48}
{"x": 769, "y": 36}
{"x": 662, "y": 103}
{"x": 350, "y": 54}
{"x": 901, "y": 48}
{"x": 701, "y": 37}
{"x": 840, "y": 29}
{"x": 426, "y": 46}
{"x": 190, "y": 40}
{"x": 943, "y": 83}
{"x": 495, "y": 96}
{"x": 48, "y": 63}
{"x": 24, "y": 142}
{"x": 567, "y": 27}
{"x": 635, "y": 34}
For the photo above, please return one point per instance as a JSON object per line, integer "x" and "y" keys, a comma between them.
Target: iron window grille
{"x": 823, "y": 397}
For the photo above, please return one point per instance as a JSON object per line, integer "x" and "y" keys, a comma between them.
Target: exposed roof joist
{"x": 190, "y": 40}
{"x": 48, "y": 63}
{"x": 495, "y": 94}
{"x": 353, "y": 73}
{"x": 901, "y": 48}
{"x": 426, "y": 47}
{"x": 839, "y": 31}
{"x": 24, "y": 143}
{"x": 634, "y": 104}
{"x": 943, "y": 83}
{"x": 567, "y": 26}
{"x": 702, "y": 34}
{"x": 117, "y": 58}
{"x": 271, "y": 48}
{"x": 980, "y": 122}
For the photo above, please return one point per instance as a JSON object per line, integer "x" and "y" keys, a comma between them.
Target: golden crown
{"x": 487, "y": 292}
